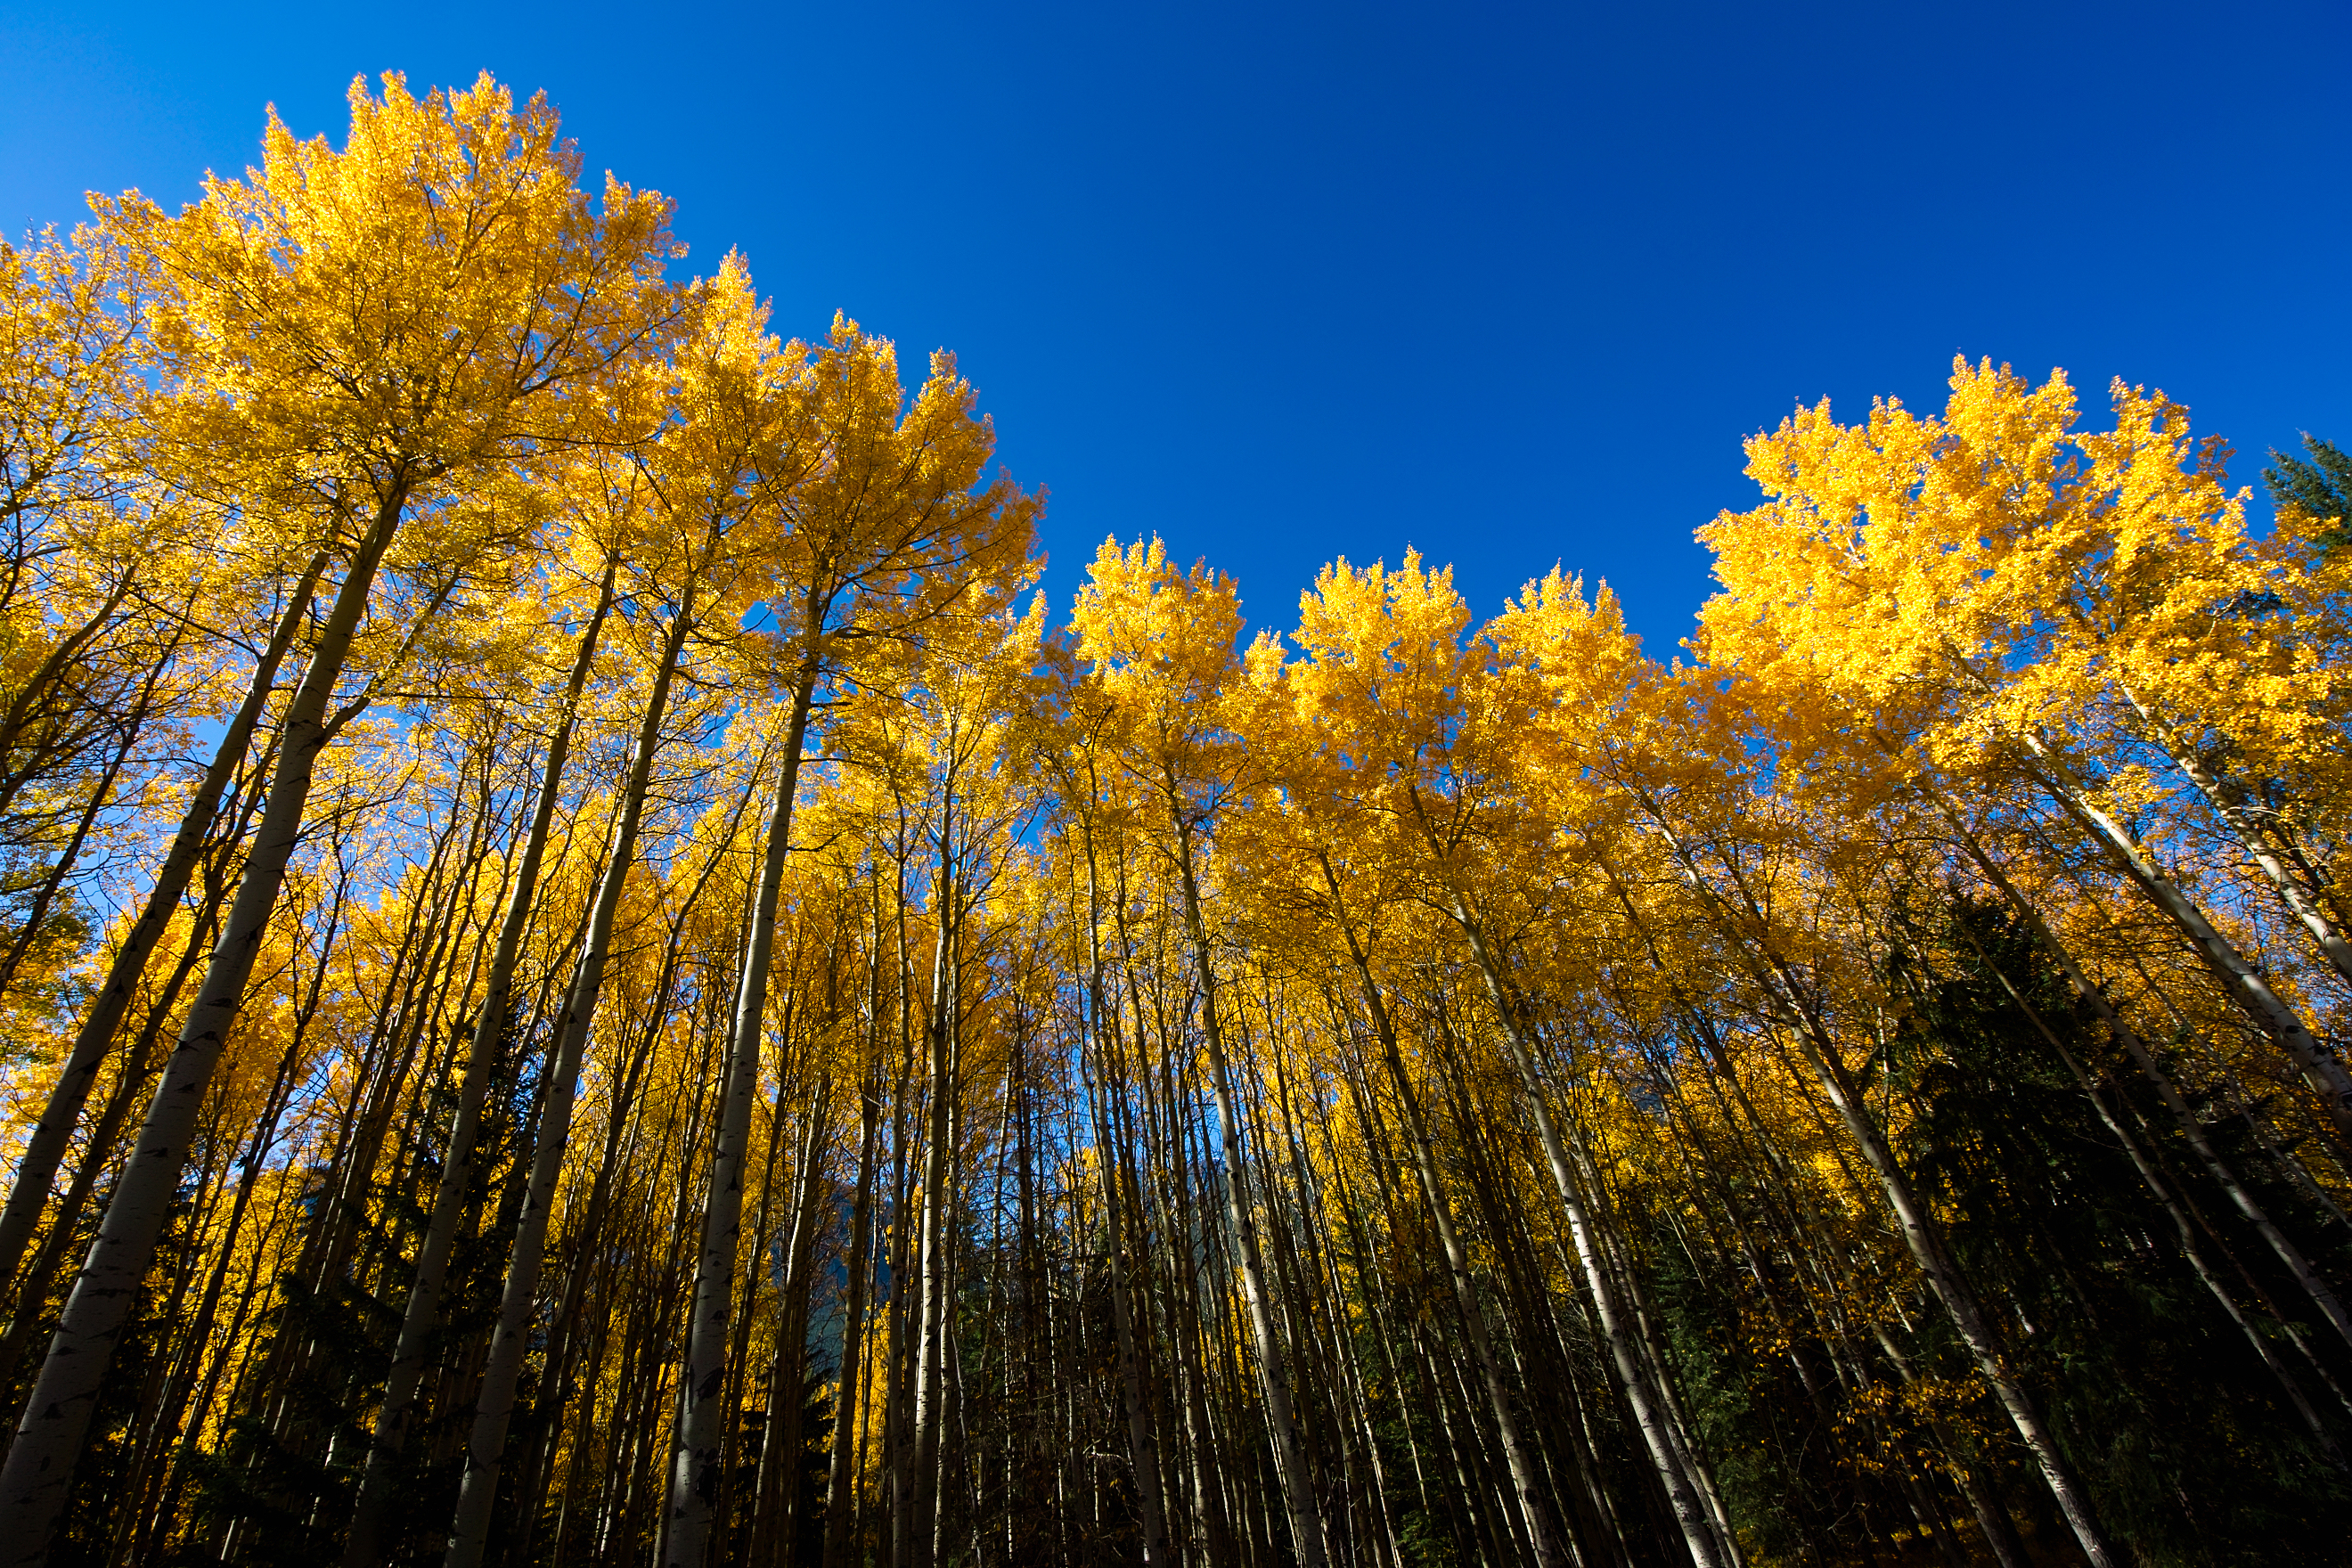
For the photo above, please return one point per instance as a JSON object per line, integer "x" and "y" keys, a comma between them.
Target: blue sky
{"x": 1281, "y": 283}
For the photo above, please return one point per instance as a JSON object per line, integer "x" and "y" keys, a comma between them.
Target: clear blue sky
{"x": 1285, "y": 282}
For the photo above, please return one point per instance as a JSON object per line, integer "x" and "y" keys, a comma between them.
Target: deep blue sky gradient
{"x": 1286, "y": 282}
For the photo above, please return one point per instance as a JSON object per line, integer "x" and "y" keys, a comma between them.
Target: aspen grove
{"x": 589, "y": 975}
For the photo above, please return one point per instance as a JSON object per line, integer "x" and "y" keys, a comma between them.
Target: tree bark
{"x": 494, "y": 1405}
{"x": 694, "y": 1475}
{"x": 1273, "y": 1378}
{"x": 40, "y": 1462}
{"x": 45, "y": 1150}
{"x": 1522, "y": 1462}
{"x": 841, "y": 1500}
{"x": 1616, "y": 1324}
{"x": 2228, "y": 802}
{"x": 2321, "y": 1067}
{"x": 364, "y": 1546}
{"x": 2321, "y": 1293}
{"x": 1142, "y": 1440}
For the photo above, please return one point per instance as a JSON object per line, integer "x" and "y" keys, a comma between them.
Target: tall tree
{"x": 368, "y": 331}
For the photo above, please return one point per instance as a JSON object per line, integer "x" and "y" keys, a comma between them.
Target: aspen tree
{"x": 1319, "y": 755}
{"x": 965, "y": 705}
{"x": 377, "y": 326}
{"x": 2003, "y": 574}
{"x": 1977, "y": 543}
{"x": 1436, "y": 1093}
{"x": 1076, "y": 765}
{"x": 1730, "y": 898}
{"x": 364, "y": 1546}
{"x": 1162, "y": 643}
{"x": 880, "y": 521}
{"x": 72, "y": 318}
{"x": 681, "y": 525}
{"x": 1396, "y": 684}
{"x": 82, "y": 526}
{"x": 37, "y": 1167}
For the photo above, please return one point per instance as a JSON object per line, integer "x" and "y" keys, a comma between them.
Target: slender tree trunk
{"x": 766, "y": 1491}
{"x": 933, "y": 1260}
{"x": 788, "y": 1381}
{"x": 1951, "y": 1287}
{"x": 45, "y": 1148}
{"x": 1143, "y": 1441}
{"x": 904, "y": 1317}
{"x": 1273, "y": 1378}
{"x": 2321, "y": 1067}
{"x": 163, "y": 1432}
{"x": 694, "y": 1473}
{"x": 2228, "y": 802}
{"x": 364, "y": 1546}
{"x": 2320, "y": 1292}
{"x": 1518, "y": 1456}
{"x": 623, "y": 1114}
{"x": 494, "y": 1405}
{"x": 131, "y": 725}
{"x": 1960, "y": 1303}
{"x": 40, "y": 1462}
{"x": 2175, "y": 1209}
{"x": 1524, "y": 1465}
{"x": 47, "y": 677}
{"x": 137, "y": 1068}
{"x": 841, "y": 1500}
{"x": 1690, "y": 1512}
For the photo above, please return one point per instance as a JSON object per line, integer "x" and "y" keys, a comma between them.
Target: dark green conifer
{"x": 2320, "y": 488}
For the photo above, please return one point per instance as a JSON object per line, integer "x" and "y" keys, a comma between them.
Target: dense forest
{"x": 591, "y": 976}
